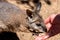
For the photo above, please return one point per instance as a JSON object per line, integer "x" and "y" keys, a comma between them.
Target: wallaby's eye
{"x": 35, "y": 1}
{"x": 24, "y": 1}
{"x": 38, "y": 24}
{"x": 29, "y": 13}
{"x": 48, "y": 2}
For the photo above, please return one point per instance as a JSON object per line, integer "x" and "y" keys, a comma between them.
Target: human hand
{"x": 52, "y": 25}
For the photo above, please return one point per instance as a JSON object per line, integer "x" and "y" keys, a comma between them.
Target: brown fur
{"x": 11, "y": 15}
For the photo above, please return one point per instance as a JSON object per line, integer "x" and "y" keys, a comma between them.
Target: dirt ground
{"x": 46, "y": 10}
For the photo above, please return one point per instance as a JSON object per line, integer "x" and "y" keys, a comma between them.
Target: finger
{"x": 47, "y": 20}
{"x": 42, "y": 37}
{"x": 38, "y": 38}
{"x": 48, "y": 26}
{"x": 52, "y": 17}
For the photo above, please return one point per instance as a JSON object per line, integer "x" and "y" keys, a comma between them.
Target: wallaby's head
{"x": 35, "y": 23}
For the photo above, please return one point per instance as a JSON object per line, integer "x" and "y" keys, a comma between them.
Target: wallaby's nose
{"x": 44, "y": 29}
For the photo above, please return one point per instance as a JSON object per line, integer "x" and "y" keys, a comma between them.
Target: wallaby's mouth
{"x": 38, "y": 29}
{"x": 8, "y": 36}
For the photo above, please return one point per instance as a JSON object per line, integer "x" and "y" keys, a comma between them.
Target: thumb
{"x": 50, "y": 19}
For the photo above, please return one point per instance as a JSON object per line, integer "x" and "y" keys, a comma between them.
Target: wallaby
{"x": 13, "y": 17}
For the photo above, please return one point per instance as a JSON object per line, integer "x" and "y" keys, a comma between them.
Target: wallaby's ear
{"x": 29, "y": 13}
{"x": 48, "y": 2}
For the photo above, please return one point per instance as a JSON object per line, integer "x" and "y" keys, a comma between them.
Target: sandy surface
{"x": 46, "y": 10}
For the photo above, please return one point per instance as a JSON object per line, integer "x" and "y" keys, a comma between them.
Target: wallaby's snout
{"x": 41, "y": 28}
